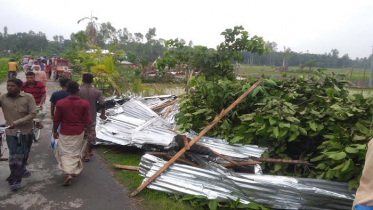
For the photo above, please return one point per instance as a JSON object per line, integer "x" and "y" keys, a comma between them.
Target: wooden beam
{"x": 271, "y": 160}
{"x": 161, "y": 106}
{"x": 168, "y": 111}
{"x": 203, "y": 132}
{"x": 180, "y": 160}
{"x": 125, "y": 167}
{"x": 212, "y": 151}
{"x": 240, "y": 163}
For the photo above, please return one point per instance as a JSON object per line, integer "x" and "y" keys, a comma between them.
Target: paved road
{"x": 94, "y": 189}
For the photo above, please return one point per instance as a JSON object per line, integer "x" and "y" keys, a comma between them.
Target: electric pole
{"x": 371, "y": 72}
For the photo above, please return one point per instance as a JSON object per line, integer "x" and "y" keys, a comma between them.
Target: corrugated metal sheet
{"x": 276, "y": 192}
{"x": 135, "y": 124}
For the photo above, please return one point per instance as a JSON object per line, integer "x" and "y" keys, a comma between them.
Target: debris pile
{"x": 218, "y": 183}
{"x": 206, "y": 169}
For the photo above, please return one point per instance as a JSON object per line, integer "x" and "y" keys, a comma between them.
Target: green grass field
{"x": 357, "y": 74}
{"x": 150, "y": 199}
{"x": 3, "y": 69}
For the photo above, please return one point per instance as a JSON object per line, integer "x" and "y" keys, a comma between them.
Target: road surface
{"x": 94, "y": 189}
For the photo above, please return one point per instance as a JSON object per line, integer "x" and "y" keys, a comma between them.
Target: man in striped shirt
{"x": 36, "y": 89}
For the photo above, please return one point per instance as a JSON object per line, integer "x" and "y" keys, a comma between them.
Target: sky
{"x": 314, "y": 26}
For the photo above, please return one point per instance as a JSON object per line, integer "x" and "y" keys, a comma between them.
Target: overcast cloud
{"x": 315, "y": 26}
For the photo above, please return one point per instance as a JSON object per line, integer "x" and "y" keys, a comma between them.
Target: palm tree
{"x": 91, "y": 29}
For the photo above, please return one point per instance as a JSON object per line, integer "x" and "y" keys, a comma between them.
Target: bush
{"x": 313, "y": 119}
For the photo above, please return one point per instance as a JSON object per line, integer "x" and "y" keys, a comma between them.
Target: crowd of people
{"x": 73, "y": 110}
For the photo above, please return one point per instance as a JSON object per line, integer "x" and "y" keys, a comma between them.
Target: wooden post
{"x": 352, "y": 70}
{"x": 203, "y": 132}
{"x": 362, "y": 90}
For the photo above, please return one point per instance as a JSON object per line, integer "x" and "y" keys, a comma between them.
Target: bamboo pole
{"x": 125, "y": 167}
{"x": 203, "y": 132}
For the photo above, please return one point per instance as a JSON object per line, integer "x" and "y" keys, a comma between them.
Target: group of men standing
{"x": 73, "y": 110}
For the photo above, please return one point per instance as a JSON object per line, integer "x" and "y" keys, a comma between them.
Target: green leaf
{"x": 321, "y": 166}
{"x": 338, "y": 156}
{"x": 247, "y": 117}
{"x": 213, "y": 204}
{"x": 236, "y": 139}
{"x": 359, "y": 138}
{"x": 351, "y": 150}
{"x": 349, "y": 164}
{"x": 303, "y": 131}
{"x": 278, "y": 166}
{"x": 293, "y": 136}
{"x": 284, "y": 125}
{"x": 353, "y": 184}
{"x": 272, "y": 121}
{"x": 318, "y": 158}
{"x": 313, "y": 125}
{"x": 362, "y": 128}
{"x": 275, "y": 131}
{"x": 188, "y": 197}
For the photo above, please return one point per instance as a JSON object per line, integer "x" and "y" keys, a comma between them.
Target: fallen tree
{"x": 311, "y": 118}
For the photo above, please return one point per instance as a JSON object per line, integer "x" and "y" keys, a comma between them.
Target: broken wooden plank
{"x": 202, "y": 133}
{"x": 271, "y": 160}
{"x": 215, "y": 153}
{"x": 168, "y": 111}
{"x": 180, "y": 160}
{"x": 166, "y": 104}
{"x": 245, "y": 163}
{"x": 125, "y": 167}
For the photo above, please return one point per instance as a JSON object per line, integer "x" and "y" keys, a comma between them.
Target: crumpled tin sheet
{"x": 277, "y": 192}
{"x": 134, "y": 124}
{"x": 235, "y": 150}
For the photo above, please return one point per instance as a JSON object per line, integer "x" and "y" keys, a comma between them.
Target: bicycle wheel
{"x": 37, "y": 132}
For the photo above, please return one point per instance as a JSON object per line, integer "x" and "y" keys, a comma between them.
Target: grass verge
{"x": 150, "y": 199}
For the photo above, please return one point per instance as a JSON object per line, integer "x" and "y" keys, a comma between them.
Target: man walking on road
{"x": 58, "y": 95}
{"x": 36, "y": 89}
{"x": 12, "y": 69}
{"x": 92, "y": 95}
{"x": 73, "y": 115}
{"x": 19, "y": 110}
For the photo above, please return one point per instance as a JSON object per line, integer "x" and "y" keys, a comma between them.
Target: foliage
{"x": 309, "y": 118}
{"x": 202, "y": 201}
{"x": 211, "y": 63}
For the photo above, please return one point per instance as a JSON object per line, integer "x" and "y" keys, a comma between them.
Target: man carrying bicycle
{"x": 37, "y": 90}
{"x": 19, "y": 110}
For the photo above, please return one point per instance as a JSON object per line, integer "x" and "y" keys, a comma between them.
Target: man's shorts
{"x": 93, "y": 131}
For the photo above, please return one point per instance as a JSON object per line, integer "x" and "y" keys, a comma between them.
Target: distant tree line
{"x": 146, "y": 47}
{"x": 30, "y": 43}
{"x": 289, "y": 58}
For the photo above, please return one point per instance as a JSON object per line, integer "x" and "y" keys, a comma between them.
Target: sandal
{"x": 67, "y": 180}
{"x": 85, "y": 159}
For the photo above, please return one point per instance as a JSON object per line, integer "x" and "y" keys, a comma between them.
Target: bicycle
{"x": 2, "y": 138}
{"x": 39, "y": 118}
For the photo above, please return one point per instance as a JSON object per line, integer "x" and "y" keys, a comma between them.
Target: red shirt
{"x": 73, "y": 113}
{"x": 37, "y": 90}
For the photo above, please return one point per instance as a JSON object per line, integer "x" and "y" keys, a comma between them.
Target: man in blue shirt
{"x": 58, "y": 95}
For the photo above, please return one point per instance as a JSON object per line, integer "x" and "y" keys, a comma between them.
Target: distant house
{"x": 102, "y": 51}
{"x": 125, "y": 63}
